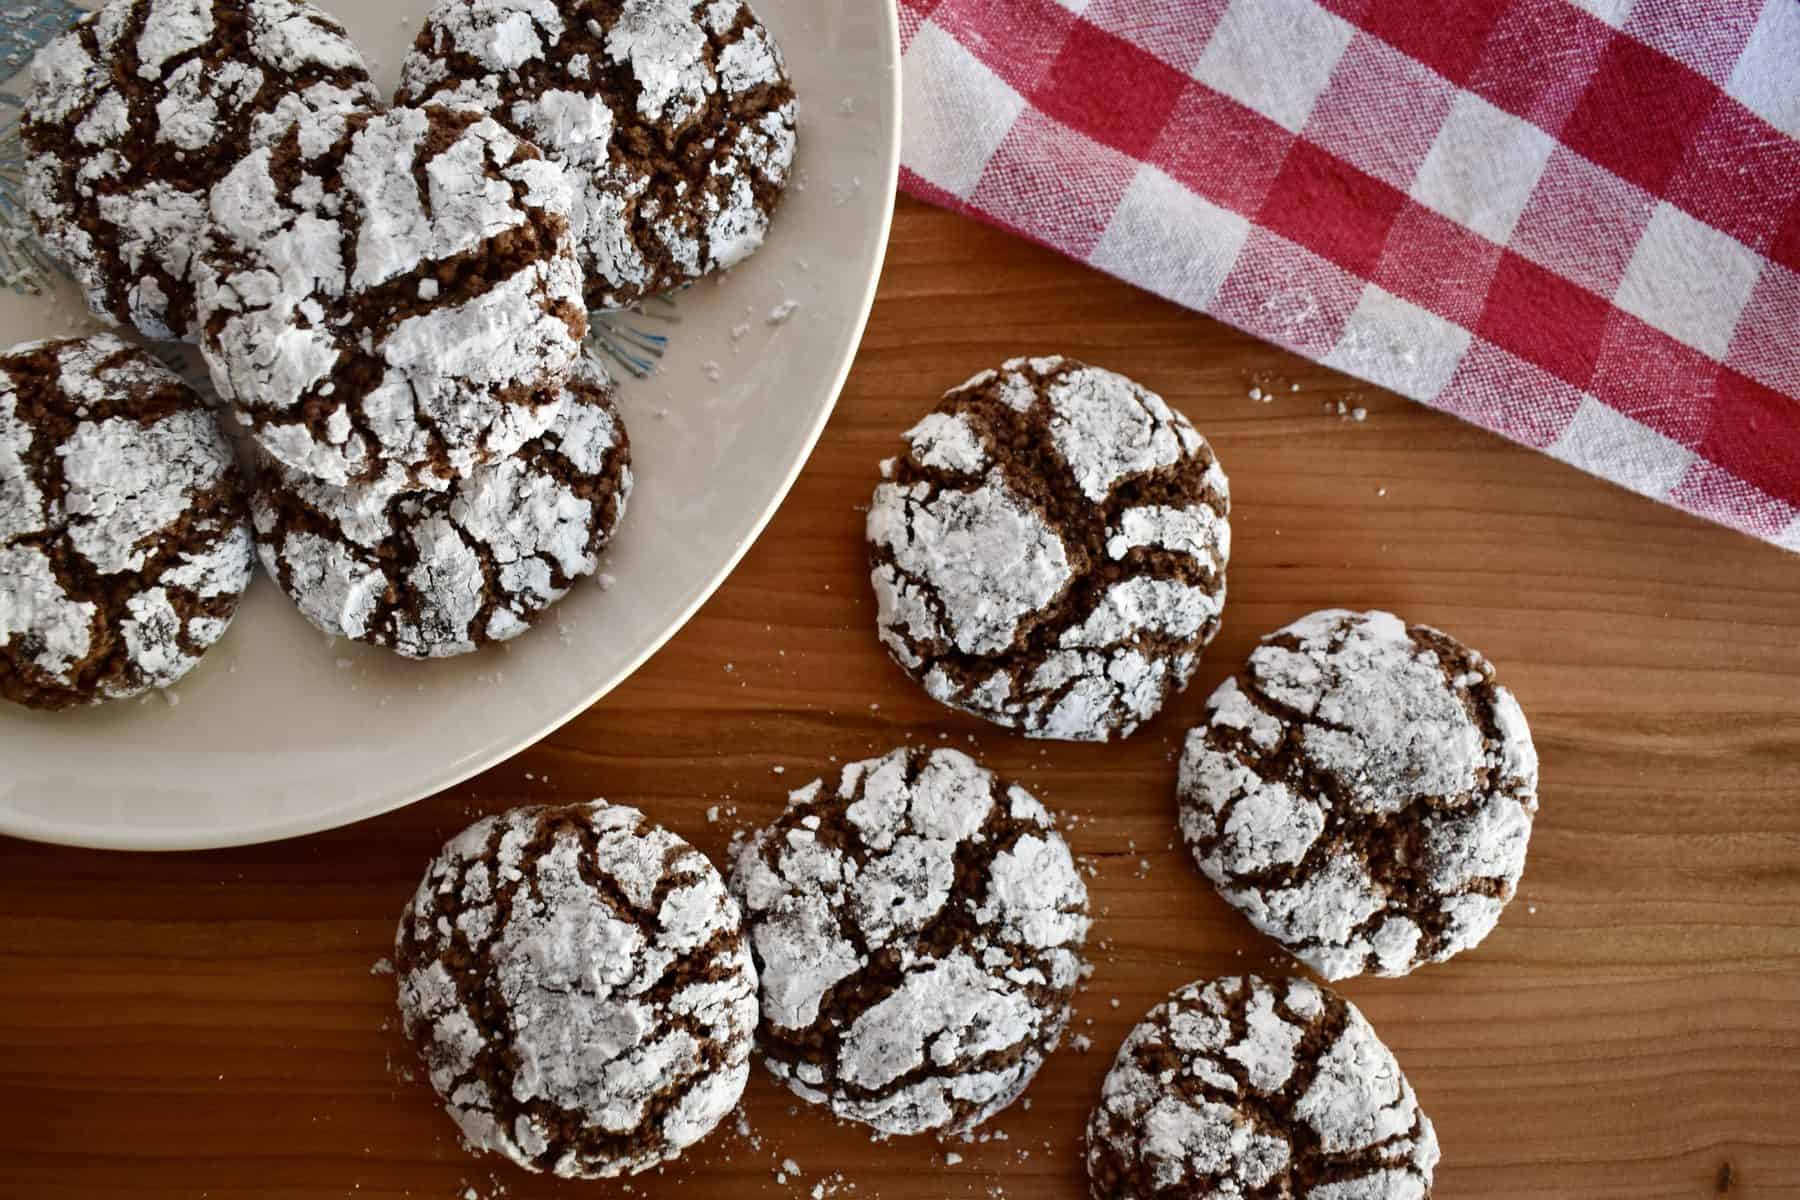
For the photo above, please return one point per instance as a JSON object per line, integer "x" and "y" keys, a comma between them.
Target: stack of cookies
{"x": 392, "y": 303}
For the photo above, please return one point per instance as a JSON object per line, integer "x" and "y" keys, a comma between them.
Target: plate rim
{"x": 151, "y": 841}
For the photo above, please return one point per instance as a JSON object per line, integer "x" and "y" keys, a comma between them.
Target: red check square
{"x": 1655, "y": 380}
{"x": 1445, "y": 35}
{"x": 1438, "y": 265}
{"x": 1509, "y": 395}
{"x": 1221, "y": 149}
{"x": 1711, "y": 491}
{"x": 1286, "y": 294}
{"x": 1755, "y": 434}
{"x": 1544, "y": 319}
{"x": 1054, "y": 183}
{"x": 1708, "y": 37}
{"x": 1111, "y": 90}
{"x": 1768, "y": 331}
{"x": 1639, "y": 113}
{"x": 1739, "y": 174}
{"x": 1538, "y": 59}
{"x": 1582, "y": 222}
{"x": 1018, "y": 40}
{"x": 1331, "y": 207}
{"x": 1176, "y": 31}
{"x": 1355, "y": 119}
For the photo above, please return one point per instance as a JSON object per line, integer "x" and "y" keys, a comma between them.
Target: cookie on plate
{"x": 140, "y": 108}
{"x": 1248, "y": 1087}
{"x": 441, "y": 573}
{"x": 675, "y": 117}
{"x": 918, "y": 930}
{"x": 577, "y": 982}
{"x": 1363, "y": 791}
{"x": 391, "y": 296}
{"x": 1050, "y": 552}
{"x": 124, "y": 547}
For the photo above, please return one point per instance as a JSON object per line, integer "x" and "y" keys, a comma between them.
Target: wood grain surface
{"x": 208, "y": 1025}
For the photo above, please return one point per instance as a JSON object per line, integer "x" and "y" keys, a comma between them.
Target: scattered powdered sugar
{"x": 293, "y": 319}
{"x": 866, "y": 1012}
{"x": 436, "y": 574}
{"x": 112, "y": 558}
{"x": 1396, "y": 720}
{"x": 969, "y": 562}
{"x": 132, "y": 249}
{"x": 1213, "y": 1096}
{"x": 591, "y": 965}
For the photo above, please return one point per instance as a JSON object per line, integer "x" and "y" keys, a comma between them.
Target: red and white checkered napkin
{"x": 1574, "y": 223}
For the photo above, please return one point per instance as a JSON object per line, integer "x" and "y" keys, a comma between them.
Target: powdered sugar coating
{"x": 437, "y": 574}
{"x": 578, "y": 984}
{"x": 919, "y": 933}
{"x": 123, "y": 544}
{"x": 1249, "y": 1088}
{"x": 391, "y": 297}
{"x": 674, "y": 117}
{"x": 126, "y": 134}
{"x": 1051, "y": 552}
{"x": 1364, "y": 792}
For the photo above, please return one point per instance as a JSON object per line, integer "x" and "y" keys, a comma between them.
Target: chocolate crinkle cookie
{"x": 139, "y": 109}
{"x": 440, "y": 573}
{"x": 674, "y": 117}
{"x": 124, "y": 547}
{"x": 577, "y": 982}
{"x": 1252, "y": 1089}
{"x": 1363, "y": 791}
{"x": 1050, "y": 552}
{"x": 391, "y": 296}
{"x": 918, "y": 930}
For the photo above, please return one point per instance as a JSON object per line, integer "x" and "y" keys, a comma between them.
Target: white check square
{"x": 1483, "y": 167}
{"x": 957, "y": 112}
{"x": 1605, "y": 442}
{"x": 1767, "y": 76}
{"x": 1165, "y": 238}
{"x": 1274, "y": 56}
{"x": 1398, "y": 345}
{"x": 1613, "y": 12}
{"x": 1689, "y": 280}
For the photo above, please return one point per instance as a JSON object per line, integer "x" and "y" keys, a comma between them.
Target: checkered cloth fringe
{"x": 1573, "y": 222}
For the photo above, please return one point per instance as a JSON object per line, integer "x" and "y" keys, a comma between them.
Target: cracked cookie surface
{"x": 391, "y": 296}
{"x": 434, "y": 574}
{"x": 1363, "y": 791}
{"x": 1050, "y": 554}
{"x": 675, "y": 118}
{"x": 143, "y": 106}
{"x": 577, "y": 982}
{"x": 1252, "y": 1089}
{"x": 918, "y": 930}
{"x": 124, "y": 545}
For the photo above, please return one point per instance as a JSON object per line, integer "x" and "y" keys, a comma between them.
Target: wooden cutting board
{"x": 208, "y": 1024}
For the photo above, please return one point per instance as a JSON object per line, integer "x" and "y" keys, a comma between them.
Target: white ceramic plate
{"x": 280, "y": 733}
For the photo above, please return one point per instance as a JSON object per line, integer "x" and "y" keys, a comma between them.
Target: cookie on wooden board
{"x": 918, "y": 929}
{"x": 1364, "y": 792}
{"x": 433, "y": 574}
{"x": 1050, "y": 553}
{"x": 675, "y": 117}
{"x": 1252, "y": 1089}
{"x": 124, "y": 544}
{"x": 391, "y": 297}
{"x": 578, "y": 984}
{"x": 139, "y": 109}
